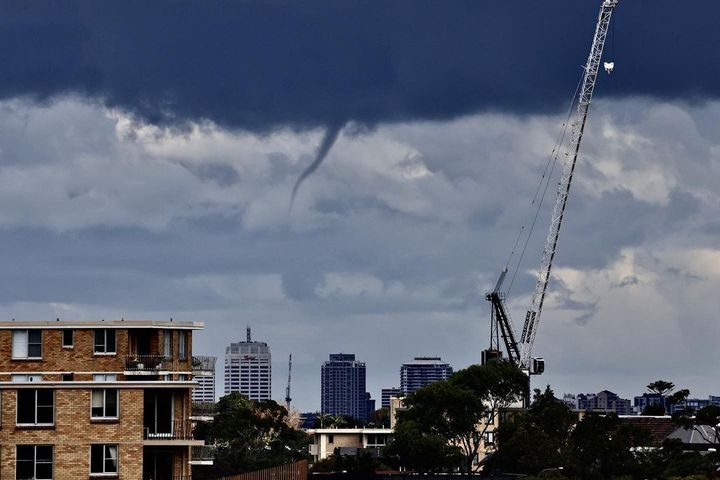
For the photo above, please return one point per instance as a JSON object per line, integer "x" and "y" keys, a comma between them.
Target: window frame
{"x": 167, "y": 344}
{"x": 105, "y": 457}
{"x": 105, "y": 343}
{"x": 104, "y": 377}
{"x": 72, "y": 338}
{"x": 182, "y": 345}
{"x": 105, "y": 392}
{"x": 35, "y": 423}
{"x": 27, "y": 344}
{"x": 35, "y": 461}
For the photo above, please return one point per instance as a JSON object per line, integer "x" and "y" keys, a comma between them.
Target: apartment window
{"x": 35, "y": 407}
{"x": 105, "y": 377}
{"x": 331, "y": 438}
{"x": 104, "y": 403}
{"x": 27, "y": 344}
{"x": 105, "y": 343}
{"x": 182, "y": 345}
{"x": 68, "y": 377}
{"x": 167, "y": 343}
{"x": 23, "y": 378}
{"x": 68, "y": 338}
{"x": 34, "y": 462}
{"x": 103, "y": 459}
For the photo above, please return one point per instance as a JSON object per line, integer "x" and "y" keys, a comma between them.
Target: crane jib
{"x": 520, "y": 353}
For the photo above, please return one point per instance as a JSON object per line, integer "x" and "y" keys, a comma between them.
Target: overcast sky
{"x": 148, "y": 152}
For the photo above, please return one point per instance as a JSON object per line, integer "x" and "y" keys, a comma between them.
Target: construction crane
{"x": 287, "y": 389}
{"x": 519, "y": 351}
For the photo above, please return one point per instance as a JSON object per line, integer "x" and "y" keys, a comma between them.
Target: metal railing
{"x": 180, "y": 430}
{"x": 202, "y": 454}
{"x": 203, "y": 364}
{"x": 146, "y": 363}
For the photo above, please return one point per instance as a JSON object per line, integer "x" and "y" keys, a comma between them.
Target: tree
{"x": 458, "y": 412}
{"x": 661, "y": 387}
{"x": 706, "y": 422}
{"x": 665, "y": 390}
{"x": 537, "y": 439}
{"x": 251, "y": 435}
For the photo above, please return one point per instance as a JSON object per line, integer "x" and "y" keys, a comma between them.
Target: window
{"x": 167, "y": 343}
{"x": 104, "y": 403}
{"x": 331, "y": 438}
{"x": 68, "y": 338}
{"x": 103, "y": 459}
{"x": 105, "y": 342}
{"x": 35, "y": 407}
{"x": 104, "y": 377}
{"x": 182, "y": 345}
{"x": 27, "y": 344}
{"x": 23, "y": 378}
{"x": 68, "y": 377}
{"x": 34, "y": 462}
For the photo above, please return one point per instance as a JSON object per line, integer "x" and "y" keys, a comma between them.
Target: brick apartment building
{"x": 107, "y": 399}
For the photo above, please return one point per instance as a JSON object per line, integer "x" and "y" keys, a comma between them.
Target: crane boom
{"x": 584, "y": 99}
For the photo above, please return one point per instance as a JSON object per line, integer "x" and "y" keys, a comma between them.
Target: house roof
{"x": 695, "y": 436}
{"x": 659, "y": 427}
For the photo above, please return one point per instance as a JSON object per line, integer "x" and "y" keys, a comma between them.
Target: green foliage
{"x": 250, "y": 436}
{"x": 661, "y": 387}
{"x": 535, "y": 440}
{"x": 449, "y": 412}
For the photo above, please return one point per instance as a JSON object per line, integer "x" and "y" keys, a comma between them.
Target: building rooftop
{"x": 88, "y": 324}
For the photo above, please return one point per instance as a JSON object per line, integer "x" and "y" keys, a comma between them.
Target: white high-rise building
{"x": 205, "y": 376}
{"x": 248, "y": 369}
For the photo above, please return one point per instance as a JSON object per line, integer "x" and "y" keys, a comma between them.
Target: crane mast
{"x": 519, "y": 353}
{"x": 287, "y": 389}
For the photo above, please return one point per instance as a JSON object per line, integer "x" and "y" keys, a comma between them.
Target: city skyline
{"x": 153, "y": 178}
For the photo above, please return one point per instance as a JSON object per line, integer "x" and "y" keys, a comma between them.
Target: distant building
{"x": 347, "y": 441}
{"x": 248, "y": 369}
{"x": 570, "y": 400}
{"x": 422, "y": 371}
{"x": 387, "y": 393}
{"x": 694, "y": 404}
{"x": 370, "y": 405}
{"x": 645, "y": 400}
{"x": 205, "y": 377}
{"x": 605, "y": 401}
{"x": 342, "y": 387}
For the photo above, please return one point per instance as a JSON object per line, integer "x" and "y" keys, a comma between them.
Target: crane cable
{"x": 543, "y": 185}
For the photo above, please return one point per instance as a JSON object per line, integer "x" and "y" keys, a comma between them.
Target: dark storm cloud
{"x": 256, "y": 65}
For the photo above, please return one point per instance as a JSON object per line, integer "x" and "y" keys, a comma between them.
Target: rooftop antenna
{"x": 249, "y": 337}
{"x": 287, "y": 390}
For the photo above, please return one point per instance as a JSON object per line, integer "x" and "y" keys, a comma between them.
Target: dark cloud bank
{"x": 256, "y": 65}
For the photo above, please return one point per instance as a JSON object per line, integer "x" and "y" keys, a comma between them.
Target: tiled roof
{"x": 660, "y": 428}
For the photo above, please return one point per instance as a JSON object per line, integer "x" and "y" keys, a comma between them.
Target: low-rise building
{"x": 107, "y": 399}
{"x": 347, "y": 441}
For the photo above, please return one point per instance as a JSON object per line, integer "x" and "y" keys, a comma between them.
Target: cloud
{"x": 259, "y": 65}
{"x": 397, "y": 238}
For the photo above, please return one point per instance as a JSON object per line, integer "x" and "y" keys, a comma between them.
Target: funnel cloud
{"x": 331, "y": 135}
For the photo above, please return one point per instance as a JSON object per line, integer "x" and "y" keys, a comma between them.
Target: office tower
{"x": 106, "y": 399}
{"x": 205, "y": 377}
{"x": 248, "y": 369}
{"x": 343, "y": 386}
{"x": 422, "y": 371}
{"x": 387, "y": 393}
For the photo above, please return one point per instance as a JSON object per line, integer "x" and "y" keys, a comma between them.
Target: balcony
{"x": 146, "y": 364}
{"x": 202, "y": 455}
{"x": 175, "y": 430}
{"x": 203, "y": 365}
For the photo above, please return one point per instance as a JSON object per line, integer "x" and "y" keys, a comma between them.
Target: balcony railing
{"x": 202, "y": 455}
{"x": 146, "y": 363}
{"x": 181, "y": 430}
{"x": 203, "y": 364}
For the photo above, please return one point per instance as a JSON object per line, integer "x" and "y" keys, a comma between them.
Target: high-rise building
{"x": 248, "y": 369}
{"x": 107, "y": 399}
{"x": 387, "y": 393}
{"x": 342, "y": 389}
{"x": 205, "y": 390}
{"x": 422, "y": 371}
